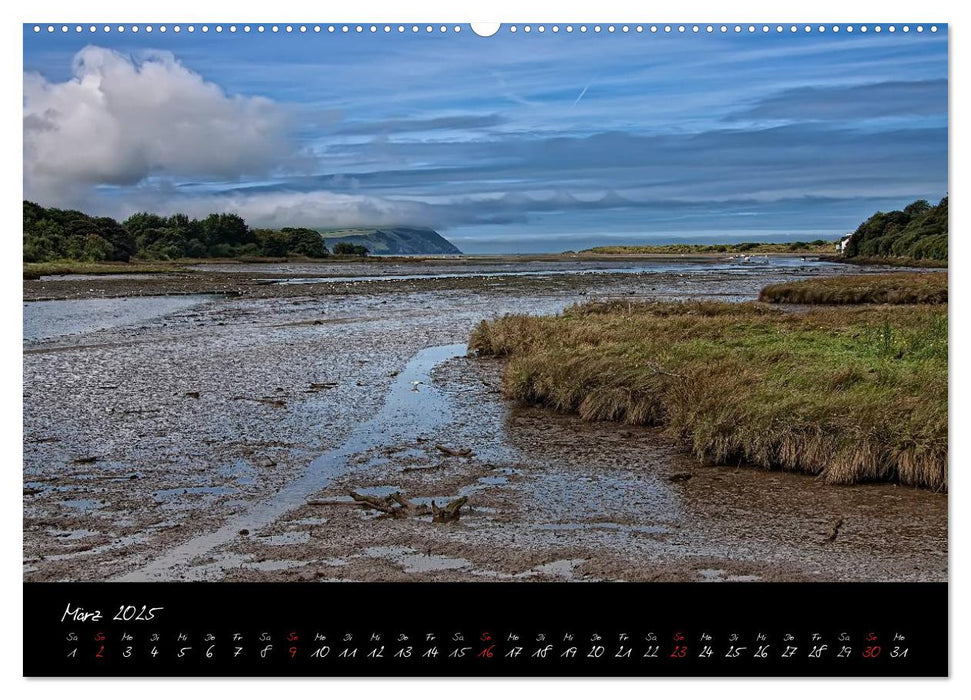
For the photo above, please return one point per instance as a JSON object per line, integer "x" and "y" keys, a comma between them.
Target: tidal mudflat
{"x": 216, "y": 432}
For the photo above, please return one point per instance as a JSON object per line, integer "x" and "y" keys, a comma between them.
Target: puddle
{"x": 414, "y": 562}
{"x": 405, "y": 415}
{"x": 71, "y": 535}
{"x": 163, "y": 495}
{"x": 483, "y": 483}
{"x": 336, "y": 561}
{"x": 240, "y": 471}
{"x": 117, "y": 543}
{"x": 47, "y": 320}
{"x": 562, "y": 568}
{"x": 218, "y": 565}
{"x": 286, "y": 538}
{"x": 84, "y": 504}
{"x": 711, "y": 575}
{"x": 378, "y": 491}
{"x": 273, "y": 564}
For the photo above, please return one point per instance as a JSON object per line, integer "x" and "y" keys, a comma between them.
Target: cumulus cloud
{"x": 119, "y": 120}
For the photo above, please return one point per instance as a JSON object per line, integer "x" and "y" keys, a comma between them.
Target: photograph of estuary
{"x": 408, "y": 307}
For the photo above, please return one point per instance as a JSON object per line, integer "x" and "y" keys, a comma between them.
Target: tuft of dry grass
{"x": 893, "y": 288}
{"x": 851, "y": 394}
{"x": 886, "y": 262}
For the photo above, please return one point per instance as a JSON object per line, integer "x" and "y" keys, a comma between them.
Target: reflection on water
{"x": 46, "y": 320}
{"x": 412, "y": 407}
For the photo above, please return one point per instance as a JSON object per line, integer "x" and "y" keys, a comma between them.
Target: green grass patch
{"x": 33, "y": 271}
{"x": 794, "y": 248}
{"x": 851, "y": 394}
{"x": 894, "y": 288}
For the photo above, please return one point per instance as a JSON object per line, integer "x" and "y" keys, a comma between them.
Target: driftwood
{"x": 385, "y": 505}
{"x": 318, "y": 386}
{"x": 271, "y": 401}
{"x": 452, "y": 452}
{"x": 397, "y": 506}
{"x": 449, "y": 513}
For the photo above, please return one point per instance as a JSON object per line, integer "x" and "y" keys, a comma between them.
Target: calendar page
{"x": 590, "y": 349}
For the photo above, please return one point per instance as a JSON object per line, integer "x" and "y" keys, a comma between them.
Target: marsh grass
{"x": 893, "y": 288}
{"x": 848, "y": 394}
{"x": 794, "y": 248}
{"x": 33, "y": 271}
{"x": 885, "y": 262}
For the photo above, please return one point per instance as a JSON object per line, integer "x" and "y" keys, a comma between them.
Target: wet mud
{"x": 221, "y": 439}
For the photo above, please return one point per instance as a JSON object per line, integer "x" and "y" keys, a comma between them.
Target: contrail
{"x": 580, "y": 96}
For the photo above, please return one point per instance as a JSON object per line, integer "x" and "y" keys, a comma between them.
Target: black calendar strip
{"x": 494, "y": 629}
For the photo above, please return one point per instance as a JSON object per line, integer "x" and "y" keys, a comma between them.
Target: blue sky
{"x": 510, "y": 143}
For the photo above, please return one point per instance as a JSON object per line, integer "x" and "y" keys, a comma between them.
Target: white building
{"x": 843, "y": 242}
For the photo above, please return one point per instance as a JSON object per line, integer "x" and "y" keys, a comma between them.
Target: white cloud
{"x": 119, "y": 120}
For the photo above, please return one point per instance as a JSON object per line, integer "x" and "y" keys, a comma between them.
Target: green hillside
{"x": 392, "y": 241}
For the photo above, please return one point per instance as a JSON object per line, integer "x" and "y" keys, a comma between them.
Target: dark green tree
{"x": 305, "y": 242}
{"x": 350, "y": 249}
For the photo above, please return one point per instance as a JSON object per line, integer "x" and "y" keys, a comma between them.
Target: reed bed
{"x": 850, "y": 394}
{"x": 893, "y": 288}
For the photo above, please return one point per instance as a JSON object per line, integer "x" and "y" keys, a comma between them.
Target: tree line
{"x": 64, "y": 234}
{"x": 919, "y": 231}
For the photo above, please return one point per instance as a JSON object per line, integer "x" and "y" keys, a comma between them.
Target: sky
{"x": 512, "y": 143}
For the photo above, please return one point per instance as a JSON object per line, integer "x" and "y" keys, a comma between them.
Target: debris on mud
{"x": 450, "y": 513}
{"x": 397, "y": 506}
{"x": 42, "y": 440}
{"x": 433, "y": 467}
{"x": 454, "y": 452}
{"x": 268, "y": 400}
{"x": 318, "y": 386}
{"x": 834, "y": 530}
